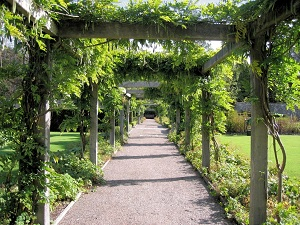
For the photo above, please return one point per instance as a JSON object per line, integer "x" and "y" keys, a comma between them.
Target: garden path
{"x": 147, "y": 182}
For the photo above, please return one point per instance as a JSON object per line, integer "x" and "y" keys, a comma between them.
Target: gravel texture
{"x": 148, "y": 182}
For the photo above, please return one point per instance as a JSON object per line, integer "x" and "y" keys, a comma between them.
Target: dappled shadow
{"x": 113, "y": 183}
{"x": 216, "y": 215}
{"x": 143, "y": 156}
{"x": 148, "y": 136}
{"x": 150, "y": 144}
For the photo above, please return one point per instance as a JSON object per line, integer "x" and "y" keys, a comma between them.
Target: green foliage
{"x": 63, "y": 187}
{"x": 236, "y": 123}
{"x": 230, "y": 180}
{"x": 288, "y": 125}
{"x": 93, "y": 10}
{"x": 158, "y": 12}
{"x": 105, "y": 150}
{"x": 79, "y": 169}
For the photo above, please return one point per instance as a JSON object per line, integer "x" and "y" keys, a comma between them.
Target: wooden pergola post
{"x": 122, "y": 125}
{"x": 112, "y": 137}
{"x": 127, "y": 116}
{"x": 259, "y": 139}
{"x": 94, "y": 123}
{"x": 205, "y": 131}
{"x": 139, "y": 115}
{"x": 44, "y": 122}
{"x": 187, "y": 128}
{"x": 178, "y": 115}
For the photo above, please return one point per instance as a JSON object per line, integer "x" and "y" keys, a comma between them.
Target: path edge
{"x": 64, "y": 212}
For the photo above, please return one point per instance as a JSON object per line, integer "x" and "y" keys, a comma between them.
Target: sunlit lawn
{"x": 58, "y": 142}
{"x": 61, "y": 141}
{"x": 241, "y": 144}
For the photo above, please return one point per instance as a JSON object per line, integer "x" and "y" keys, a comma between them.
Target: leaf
{"x": 256, "y": 68}
{"x": 42, "y": 45}
{"x": 56, "y": 159}
{"x": 15, "y": 32}
{"x": 62, "y": 3}
{"x": 46, "y": 36}
{"x": 166, "y": 18}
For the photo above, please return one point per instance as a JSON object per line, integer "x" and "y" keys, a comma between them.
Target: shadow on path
{"x": 148, "y": 183}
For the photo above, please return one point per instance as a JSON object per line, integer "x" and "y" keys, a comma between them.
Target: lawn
{"x": 241, "y": 144}
{"x": 61, "y": 141}
{"x": 58, "y": 142}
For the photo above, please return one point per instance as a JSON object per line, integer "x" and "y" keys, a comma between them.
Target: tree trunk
{"x": 94, "y": 123}
{"x": 259, "y": 139}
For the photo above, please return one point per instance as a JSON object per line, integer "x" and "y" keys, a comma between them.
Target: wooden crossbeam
{"x": 221, "y": 55}
{"x": 138, "y": 93}
{"x": 140, "y": 84}
{"x": 282, "y": 10}
{"x": 117, "y": 30}
{"x": 29, "y": 9}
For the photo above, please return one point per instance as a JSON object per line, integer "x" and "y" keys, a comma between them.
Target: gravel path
{"x": 148, "y": 182}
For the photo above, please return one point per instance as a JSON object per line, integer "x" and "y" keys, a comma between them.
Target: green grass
{"x": 58, "y": 142}
{"x": 62, "y": 141}
{"x": 241, "y": 145}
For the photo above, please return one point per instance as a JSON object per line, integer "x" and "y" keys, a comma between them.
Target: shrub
{"x": 288, "y": 125}
{"x": 79, "y": 169}
{"x": 163, "y": 120}
{"x": 63, "y": 187}
{"x": 236, "y": 122}
{"x": 230, "y": 180}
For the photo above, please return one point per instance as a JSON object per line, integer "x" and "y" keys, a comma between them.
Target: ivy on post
{"x": 43, "y": 215}
{"x": 259, "y": 135}
{"x": 35, "y": 137}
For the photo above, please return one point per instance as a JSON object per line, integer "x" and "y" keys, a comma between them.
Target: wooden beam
{"x": 221, "y": 55}
{"x": 117, "y": 30}
{"x": 29, "y": 9}
{"x": 139, "y": 84}
{"x": 282, "y": 10}
{"x": 139, "y": 93}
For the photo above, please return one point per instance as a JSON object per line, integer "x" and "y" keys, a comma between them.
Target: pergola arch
{"x": 201, "y": 31}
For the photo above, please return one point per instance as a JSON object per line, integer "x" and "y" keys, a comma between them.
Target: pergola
{"x": 283, "y": 10}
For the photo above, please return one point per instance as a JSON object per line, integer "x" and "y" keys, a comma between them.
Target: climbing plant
{"x": 77, "y": 64}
